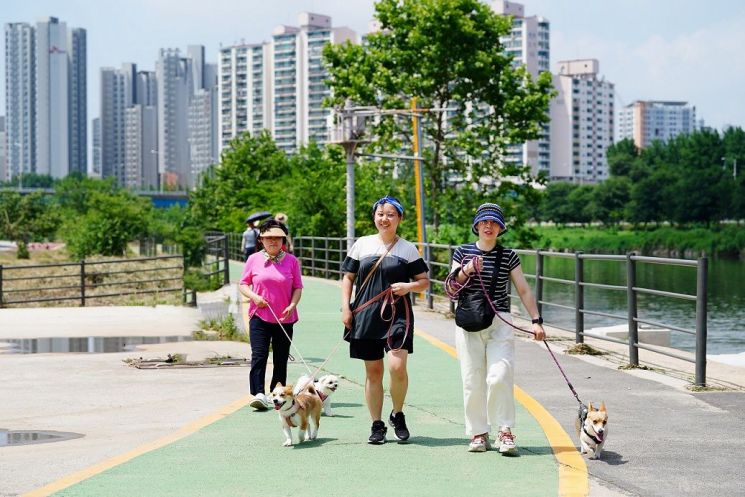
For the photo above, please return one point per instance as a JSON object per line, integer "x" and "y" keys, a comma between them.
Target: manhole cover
{"x": 30, "y": 437}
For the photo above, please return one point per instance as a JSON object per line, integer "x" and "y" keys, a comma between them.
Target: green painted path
{"x": 241, "y": 454}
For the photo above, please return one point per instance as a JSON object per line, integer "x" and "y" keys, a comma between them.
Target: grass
{"x": 706, "y": 388}
{"x": 719, "y": 240}
{"x": 627, "y": 367}
{"x": 106, "y": 283}
{"x": 223, "y": 328}
{"x": 583, "y": 349}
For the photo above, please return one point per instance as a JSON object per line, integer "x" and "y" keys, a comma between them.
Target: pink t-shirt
{"x": 273, "y": 281}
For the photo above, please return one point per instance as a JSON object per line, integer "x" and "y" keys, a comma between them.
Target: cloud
{"x": 700, "y": 67}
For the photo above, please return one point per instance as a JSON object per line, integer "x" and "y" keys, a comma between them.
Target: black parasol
{"x": 258, "y": 216}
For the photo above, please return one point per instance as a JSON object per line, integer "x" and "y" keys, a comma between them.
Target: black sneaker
{"x": 377, "y": 437}
{"x": 398, "y": 423}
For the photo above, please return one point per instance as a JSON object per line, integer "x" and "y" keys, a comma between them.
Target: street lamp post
{"x": 349, "y": 135}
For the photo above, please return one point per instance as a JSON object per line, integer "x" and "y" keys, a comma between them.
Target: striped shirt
{"x": 509, "y": 261}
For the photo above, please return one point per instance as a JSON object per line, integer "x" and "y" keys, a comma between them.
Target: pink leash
{"x": 453, "y": 289}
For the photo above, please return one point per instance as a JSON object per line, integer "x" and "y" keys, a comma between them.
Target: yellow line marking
{"x": 573, "y": 480}
{"x": 185, "y": 431}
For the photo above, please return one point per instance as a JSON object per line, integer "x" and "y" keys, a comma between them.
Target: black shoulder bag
{"x": 474, "y": 313}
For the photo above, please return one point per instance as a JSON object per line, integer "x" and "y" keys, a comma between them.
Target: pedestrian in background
{"x": 250, "y": 238}
{"x": 487, "y": 356}
{"x": 282, "y": 218}
{"x": 272, "y": 281}
{"x": 376, "y": 329}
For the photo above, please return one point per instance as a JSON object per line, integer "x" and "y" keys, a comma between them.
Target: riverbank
{"x": 721, "y": 241}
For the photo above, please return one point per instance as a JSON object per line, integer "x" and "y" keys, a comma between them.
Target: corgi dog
{"x": 302, "y": 410}
{"x": 324, "y": 386}
{"x": 592, "y": 430}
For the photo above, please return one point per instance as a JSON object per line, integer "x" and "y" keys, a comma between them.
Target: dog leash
{"x": 279, "y": 322}
{"x": 389, "y": 300}
{"x": 453, "y": 289}
{"x": 292, "y": 344}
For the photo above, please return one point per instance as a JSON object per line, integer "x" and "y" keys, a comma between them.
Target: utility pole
{"x": 421, "y": 229}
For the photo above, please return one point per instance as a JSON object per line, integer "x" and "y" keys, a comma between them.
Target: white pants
{"x": 487, "y": 361}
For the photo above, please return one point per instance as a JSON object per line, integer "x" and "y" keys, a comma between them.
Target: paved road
{"x": 664, "y": 440}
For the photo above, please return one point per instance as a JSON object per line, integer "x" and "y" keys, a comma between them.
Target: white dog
{"x": 324, "y": 387}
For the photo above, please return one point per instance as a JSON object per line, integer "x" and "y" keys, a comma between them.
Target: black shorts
{"x": 373, "y": 350}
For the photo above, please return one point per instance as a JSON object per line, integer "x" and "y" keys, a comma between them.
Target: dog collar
{"x": 290, "y": 413}
{"x": 322, "y": 395}
{"x": 593, "y": 437}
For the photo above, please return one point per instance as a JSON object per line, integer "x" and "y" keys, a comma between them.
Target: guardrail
{"x": 100, "y": 281}
{"x": 322, "y": 256}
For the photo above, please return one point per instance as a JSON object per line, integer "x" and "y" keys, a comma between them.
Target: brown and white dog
{"x": 302, "y": 410}
{"x": 592, "y": 430}
{"x": 324, "y": 386}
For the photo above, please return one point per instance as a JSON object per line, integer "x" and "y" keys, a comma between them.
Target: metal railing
{"x": 102, "y": 281}
{"x": 322, "y": 257}
{"x": 217, "y": 256}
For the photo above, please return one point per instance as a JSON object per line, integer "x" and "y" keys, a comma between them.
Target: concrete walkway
{"x": 188, "y": 432}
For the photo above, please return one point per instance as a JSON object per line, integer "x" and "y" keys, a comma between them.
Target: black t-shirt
{"x": 400, "y": 265}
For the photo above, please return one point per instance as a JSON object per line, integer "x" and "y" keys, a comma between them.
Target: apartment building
{"x": 45, "y": 98}
{"x": 582, "y": 121}
{"x": 645, "y": 121}
{"x": 278, "y": 85}
{"x": 528, "y": 44}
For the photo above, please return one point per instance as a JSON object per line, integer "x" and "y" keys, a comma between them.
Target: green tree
{"x": 447, "y": 54}
{"x": 733, "y": 141}
{"x": 580, "y": 204}
{"x": 246, "y": 180}
{"x": 701, "y": 185}
{"x": 73, "y": 193}
{"x": 556, "y": 206}
{"x": 610, "y": 199}
{"x": 621, "y": 157}
{"x": 26, "y": 218}
{"x": 109, "y": 223}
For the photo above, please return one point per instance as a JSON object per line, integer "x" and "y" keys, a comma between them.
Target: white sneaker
{"x": 507, "y": 443}
{"x": 259, "y": 402}
{"x": 479, "y": 443}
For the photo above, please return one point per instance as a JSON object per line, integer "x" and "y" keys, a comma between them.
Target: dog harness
{"x": 292, "y": 411}
{"x": 593, "y": 437}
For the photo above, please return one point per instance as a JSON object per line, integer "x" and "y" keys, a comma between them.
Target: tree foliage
{"x": 447, "y": 54}
{"x": 107, "y": 224}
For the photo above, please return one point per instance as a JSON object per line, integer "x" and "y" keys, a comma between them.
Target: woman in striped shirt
{"x": 487, "y": 356}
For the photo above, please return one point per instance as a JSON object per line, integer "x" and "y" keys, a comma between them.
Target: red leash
{"x": 389, "y": 300}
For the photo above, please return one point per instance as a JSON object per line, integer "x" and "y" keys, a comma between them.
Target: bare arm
{"x": 468, "y": 270}
{"x": 420, "y": 283}
{"x": 526, "y": 296}
{"x": 346, "y": 297}
{"x": 296, "y": 294}
{"x": 247, "y": 291}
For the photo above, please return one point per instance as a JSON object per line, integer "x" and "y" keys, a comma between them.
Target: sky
{"x": 651, "y": 50}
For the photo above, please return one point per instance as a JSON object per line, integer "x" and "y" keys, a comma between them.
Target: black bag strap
{"x": 495, "y": 274}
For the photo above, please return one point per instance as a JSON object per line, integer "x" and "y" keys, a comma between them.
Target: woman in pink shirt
{"x": 271, "y": 280}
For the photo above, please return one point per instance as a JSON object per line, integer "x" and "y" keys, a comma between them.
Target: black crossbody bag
{"x": 474, "y": 313}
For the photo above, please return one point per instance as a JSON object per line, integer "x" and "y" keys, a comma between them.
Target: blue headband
{"x": 389, "y": 200}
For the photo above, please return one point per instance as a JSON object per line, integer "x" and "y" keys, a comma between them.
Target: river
{"x": 726, "y": 298}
